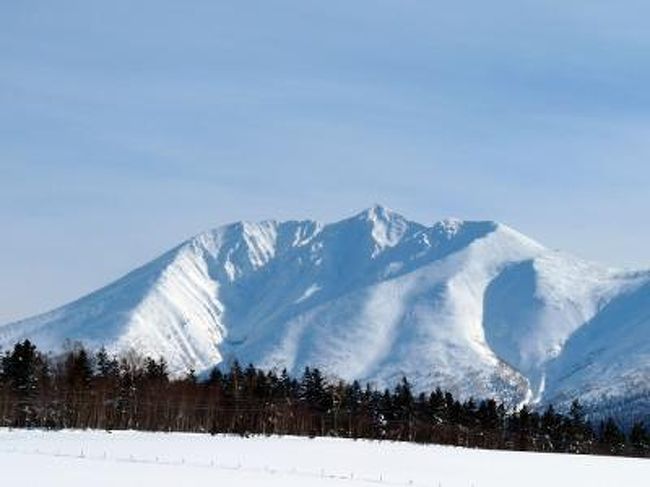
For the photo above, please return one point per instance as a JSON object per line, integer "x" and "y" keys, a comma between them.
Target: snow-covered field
{"x": 82, "y": 458}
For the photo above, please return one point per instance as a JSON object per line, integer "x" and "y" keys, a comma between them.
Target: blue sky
{"x": 127, "y": 126}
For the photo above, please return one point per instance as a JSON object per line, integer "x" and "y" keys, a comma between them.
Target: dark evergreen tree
{"x": 640, "y": 439}
{"x": 24, "y": 371}
{"x": 578, "y": 432}
{"x": 611, "y": 436}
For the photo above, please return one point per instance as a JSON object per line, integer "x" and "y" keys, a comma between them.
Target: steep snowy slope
{"x": 534, "y": 306}
{"x": 474, "y": 307}
{"x": 606, "y": 363}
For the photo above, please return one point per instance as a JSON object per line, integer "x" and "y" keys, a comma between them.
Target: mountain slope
{"x": 607, "y": 361}
{"x": 474, "y": 307}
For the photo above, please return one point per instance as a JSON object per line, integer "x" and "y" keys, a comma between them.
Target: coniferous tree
{"x": 24, "y": 371}
{"x": 640, "y": 439}
{"x": 579, "y": 434}
{"x": 611, "y": 436}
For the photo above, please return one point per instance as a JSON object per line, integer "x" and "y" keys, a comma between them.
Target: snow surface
{"x": 473, "y": 307}
{"x": 82, "y": 458}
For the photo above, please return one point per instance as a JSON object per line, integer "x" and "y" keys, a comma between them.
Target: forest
{"x": 83, "y": 390}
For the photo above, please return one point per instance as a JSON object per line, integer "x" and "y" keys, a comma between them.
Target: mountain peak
{"x": 387, "y": 227}
{"x": 379, "y": 213}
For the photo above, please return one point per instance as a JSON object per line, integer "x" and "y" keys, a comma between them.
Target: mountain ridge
{"x": 474, "y": 307}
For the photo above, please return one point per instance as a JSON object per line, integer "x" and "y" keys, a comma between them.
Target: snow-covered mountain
{"x": 474, "y": 307}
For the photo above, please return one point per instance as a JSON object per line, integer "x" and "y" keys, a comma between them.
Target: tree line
{"x": 99, "y": 391}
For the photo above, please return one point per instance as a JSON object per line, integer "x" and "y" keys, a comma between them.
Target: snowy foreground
{"x": 81, "y": 458}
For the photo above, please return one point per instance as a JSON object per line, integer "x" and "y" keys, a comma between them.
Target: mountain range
{"x": 473, "y": 307}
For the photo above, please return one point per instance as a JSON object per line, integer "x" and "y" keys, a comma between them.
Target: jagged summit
{"x": 379, "y": 212}
{"x": 474, "y": 307}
